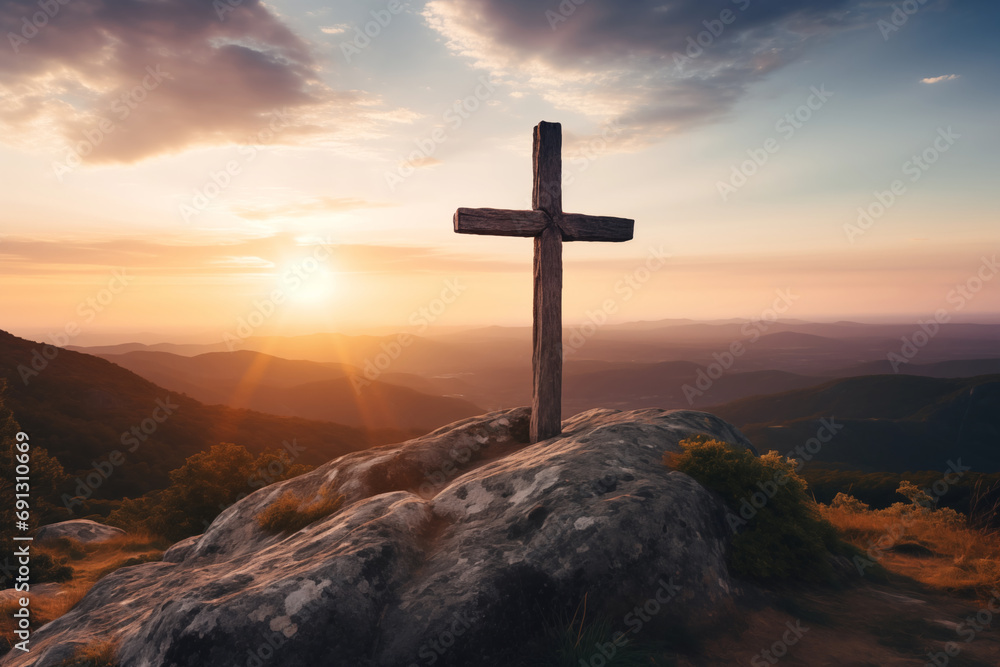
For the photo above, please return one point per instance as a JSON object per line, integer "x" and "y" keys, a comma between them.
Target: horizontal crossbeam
{"x": 574, "y": 226}
{"x": 579, "y": 227}
{"x": 500, "y": 222}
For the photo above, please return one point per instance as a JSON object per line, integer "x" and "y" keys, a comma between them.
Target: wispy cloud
{"x": 422, "y": 162}
{"x": 305, "y": 207}
{"x": 939, "y": 79}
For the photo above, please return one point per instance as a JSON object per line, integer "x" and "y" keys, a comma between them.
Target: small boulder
{"x": 81, "y": 530}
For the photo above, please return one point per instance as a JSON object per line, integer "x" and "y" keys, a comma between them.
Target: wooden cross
{"x": 549, "y": 226}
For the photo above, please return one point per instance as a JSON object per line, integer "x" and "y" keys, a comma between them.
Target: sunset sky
{"x": 202, "y": 151}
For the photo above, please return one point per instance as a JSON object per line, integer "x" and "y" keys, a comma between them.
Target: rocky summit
{"x": 461, "y": 547}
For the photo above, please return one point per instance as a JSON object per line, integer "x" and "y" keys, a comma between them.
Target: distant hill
{"x": 628, "y": 386}
{"x": 785, "y": 340}
{"x": 325, "y": 391}
{"x": 958, "y": 368}
{"x": 81, "y": 408}
{"x": 417, "y": 354}
{"x": 226, "y": 368}
{"x": 891, "y": 423}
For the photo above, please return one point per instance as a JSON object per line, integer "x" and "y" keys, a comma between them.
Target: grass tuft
{"x": 290, "y": 512}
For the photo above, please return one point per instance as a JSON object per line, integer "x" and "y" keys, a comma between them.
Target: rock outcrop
{"x": 455, "y": 548}
{"x": 81, "y": 530}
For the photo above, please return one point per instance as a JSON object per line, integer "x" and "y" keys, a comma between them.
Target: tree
{"x": 202, "y": 488}
{"x": 45, "y": 475}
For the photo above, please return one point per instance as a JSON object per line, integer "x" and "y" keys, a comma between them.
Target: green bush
{"x": 201, "y": 489}
{"x": 782, "y": 538}
{"x": 288, "y": 513}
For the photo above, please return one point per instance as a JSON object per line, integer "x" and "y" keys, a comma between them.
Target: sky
{"x": 186, "y": 169}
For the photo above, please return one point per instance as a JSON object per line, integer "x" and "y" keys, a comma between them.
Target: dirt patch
{"x": 894, "y": 625}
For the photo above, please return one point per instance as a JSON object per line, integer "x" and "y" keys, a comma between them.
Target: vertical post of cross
{"x": 549, "y": 227}
{"x": 546, "y": 356}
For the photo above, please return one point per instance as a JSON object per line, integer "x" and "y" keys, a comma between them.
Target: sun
{"x": 313, "y": 288}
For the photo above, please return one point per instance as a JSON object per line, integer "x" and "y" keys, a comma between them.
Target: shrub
{"x": 288, "y": 513}
{"x": 850, "y": 504}
{"x": 783, "y": 537}
{"x": 934, "y": 546}
{"x": 201, "y": 489}
{"x": 922, "y": 505}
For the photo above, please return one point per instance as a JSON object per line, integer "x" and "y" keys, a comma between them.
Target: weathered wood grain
{"x": 500, "y": 222}
{"x": 546, "y": 358}
{"x": 546, "y": 193}
{"x": 579, "y": 227}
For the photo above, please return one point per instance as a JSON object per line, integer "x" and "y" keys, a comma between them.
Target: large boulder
{"x": 454, "y": 548}
{"x": 81, "y": 530}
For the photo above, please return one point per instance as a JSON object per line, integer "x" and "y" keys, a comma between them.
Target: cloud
{"x": 122, "y": 80}
{"x": 60, "y": 260}
{"x": 939, "y": 79}
{"x": 306, "y": 207}
{"x": 650, "y": 66}
{"x": 423, "y": 162}
{"x": 335, "y": 29}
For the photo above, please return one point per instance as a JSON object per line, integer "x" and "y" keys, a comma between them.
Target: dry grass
{"x": 44, "y": 608}
{"x": 927, "y": 547}
{"x": 289, "y": 513}
{"x": 90, "y": 562}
